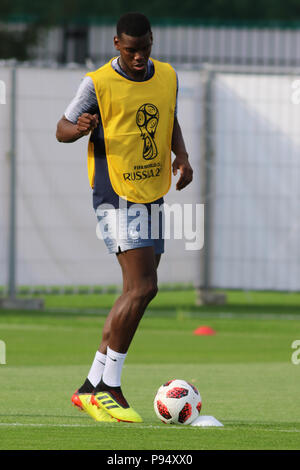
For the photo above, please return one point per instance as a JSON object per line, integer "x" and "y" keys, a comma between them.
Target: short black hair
{"x": 134, "y": 24}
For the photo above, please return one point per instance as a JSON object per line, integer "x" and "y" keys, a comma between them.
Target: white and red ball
{"x": 177, "y": 402}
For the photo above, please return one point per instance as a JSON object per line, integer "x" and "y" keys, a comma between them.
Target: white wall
{"x": 56, "y": 224}
{"x": 255, "y": 226}
{"x": 256, "y": 203}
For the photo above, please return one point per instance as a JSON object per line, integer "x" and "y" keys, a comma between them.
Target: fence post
{"x": 205, "y": 295}
{"x": 208, "y": 152}
{"x": 12, "y": 191}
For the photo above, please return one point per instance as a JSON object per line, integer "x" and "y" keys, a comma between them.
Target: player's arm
{"x": 81, "y": 116}
{"x": 67, "y": 131}
{"x": 181, "y": 161}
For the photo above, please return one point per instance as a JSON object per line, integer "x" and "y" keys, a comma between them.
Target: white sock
{"x": 96, "y": 371}
{"x": 113, "y": 368}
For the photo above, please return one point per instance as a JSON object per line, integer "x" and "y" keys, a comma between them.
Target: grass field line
{"x": 147, "y": 426}
{"x": 33, "y": 327}
{"x": 182, "y": 312}
{"x": 66, "y": 329}
{"x": 84, "y": 313}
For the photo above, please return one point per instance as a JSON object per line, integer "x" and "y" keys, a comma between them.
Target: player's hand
{"x": 182, "y": 164}
{"x": 87, "y": 123}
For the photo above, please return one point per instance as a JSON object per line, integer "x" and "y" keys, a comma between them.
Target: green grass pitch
{"x": 244, "y": 374}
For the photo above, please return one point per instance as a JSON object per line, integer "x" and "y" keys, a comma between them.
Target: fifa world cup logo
{"x": 147, "y": 118}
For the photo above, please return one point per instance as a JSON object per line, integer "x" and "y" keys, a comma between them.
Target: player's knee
{"x": 145, "y": 292}
{"x": 152, "y": 291}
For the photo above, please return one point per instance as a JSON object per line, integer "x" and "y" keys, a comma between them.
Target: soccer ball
{"x": 177, "y": 402}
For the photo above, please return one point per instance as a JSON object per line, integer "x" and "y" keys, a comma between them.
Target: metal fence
{"x": 181, "y": 45}
{"x": 241, "y": 127}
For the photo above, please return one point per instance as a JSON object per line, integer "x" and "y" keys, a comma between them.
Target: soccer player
{"x": 128, "y": 107}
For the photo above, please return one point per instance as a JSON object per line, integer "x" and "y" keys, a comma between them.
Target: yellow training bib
{"x": 137, "y": 120}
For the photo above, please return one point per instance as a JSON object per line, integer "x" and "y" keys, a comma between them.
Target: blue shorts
{"x": 136, "y": 226}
